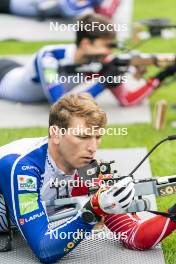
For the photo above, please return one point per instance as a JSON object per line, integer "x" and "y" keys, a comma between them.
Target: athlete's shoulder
{"x": 56, "y": 50}
{"x": 24, "y": 157}
{"x": 24, "y": 148}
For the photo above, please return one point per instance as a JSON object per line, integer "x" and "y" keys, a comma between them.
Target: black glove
{"x": 111, "y": 74}
{"x": 169, "y": 71}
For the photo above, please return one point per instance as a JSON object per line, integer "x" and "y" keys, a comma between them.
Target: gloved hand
{"x": 117, "y": 198}
{"x": 111, "y": 72}
{"x": 169, "y": 71}
{"x": 112, "y": 200}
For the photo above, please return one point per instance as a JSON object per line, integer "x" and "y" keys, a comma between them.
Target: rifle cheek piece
{"x": 94, "y": 169}
{"x": 90, "y": 171}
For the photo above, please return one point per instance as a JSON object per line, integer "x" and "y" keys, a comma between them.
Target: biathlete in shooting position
{"x": 65, "y": 8}
{"x": 46, "y": 77}
{"x": 27, "y": 167}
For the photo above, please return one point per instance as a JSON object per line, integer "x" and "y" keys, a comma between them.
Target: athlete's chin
{"x": 83, "y": 162}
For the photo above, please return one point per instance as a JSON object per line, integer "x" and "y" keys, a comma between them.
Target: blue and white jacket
{"x": 25, "y": 172}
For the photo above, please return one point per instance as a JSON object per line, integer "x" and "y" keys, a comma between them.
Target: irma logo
{"x": 27, "y": 183}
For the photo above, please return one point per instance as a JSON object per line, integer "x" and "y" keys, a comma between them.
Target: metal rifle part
{"x": 160, "y": 186}
{"x": 123, "y": 61}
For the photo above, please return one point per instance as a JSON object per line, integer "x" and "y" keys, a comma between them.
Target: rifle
{"x": 123, "y": 61}
{"x": 160, "y": 186}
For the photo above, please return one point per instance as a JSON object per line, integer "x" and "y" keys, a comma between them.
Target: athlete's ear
{"x": 54, "y": 134}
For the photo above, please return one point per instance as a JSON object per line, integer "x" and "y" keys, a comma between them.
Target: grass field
{"x": 163, "y": 161}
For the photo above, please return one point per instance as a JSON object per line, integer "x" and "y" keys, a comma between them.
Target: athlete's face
{"x": 100, "y": 46}
{"x": 78, "y": 146}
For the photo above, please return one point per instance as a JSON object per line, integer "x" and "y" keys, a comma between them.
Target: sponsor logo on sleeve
{"x": 31, "y": 218}
{"x": 28, "y": 202}
{"x": 29, "y": 167}
{"x": 34, "y": 217}
{"x": 27, "y": 183}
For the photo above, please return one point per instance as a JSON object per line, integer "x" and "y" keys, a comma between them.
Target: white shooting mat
{"x": 28, "y": 29}
{"x": 99, "y": 250}
{"x": 16, "y": 115}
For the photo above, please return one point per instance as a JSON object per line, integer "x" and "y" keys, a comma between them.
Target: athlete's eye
{"x": 98, "y": 137}
{"x": 83, "y": 136}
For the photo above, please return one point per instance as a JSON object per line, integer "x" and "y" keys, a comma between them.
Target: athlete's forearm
{"x": 49, "y": 77}
{"x": 51, "y": 244}
{"x": 140, "y": 234}
{"x": 128, "y": 98}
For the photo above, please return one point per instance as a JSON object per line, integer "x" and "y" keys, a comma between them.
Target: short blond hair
{"x": 77, "y": 105}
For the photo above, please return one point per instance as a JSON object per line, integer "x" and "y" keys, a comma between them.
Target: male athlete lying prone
{"x": 27, "y": 166}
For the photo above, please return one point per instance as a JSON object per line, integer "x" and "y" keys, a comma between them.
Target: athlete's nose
{"x": 92, "y": 145}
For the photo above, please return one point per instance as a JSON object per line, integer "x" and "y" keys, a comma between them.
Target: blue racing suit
{"x": 25, "y": 172}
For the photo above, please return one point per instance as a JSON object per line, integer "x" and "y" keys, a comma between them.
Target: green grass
{"x": 163, "y": 160}
{"x": 145, "y": 9}
{"x": 17, "y": 47}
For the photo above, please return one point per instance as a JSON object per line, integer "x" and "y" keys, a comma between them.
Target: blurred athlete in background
{"x": 46, "y": 77}
{"x": 65, "y": 8}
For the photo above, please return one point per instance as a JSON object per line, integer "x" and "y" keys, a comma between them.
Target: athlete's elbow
{"x": 137, "y": 245}
{"x": 125, "y": 102}
{"x": 141, "y": 246}
{"x": 45, "y": 254}
{"x": 49, "y": 259}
